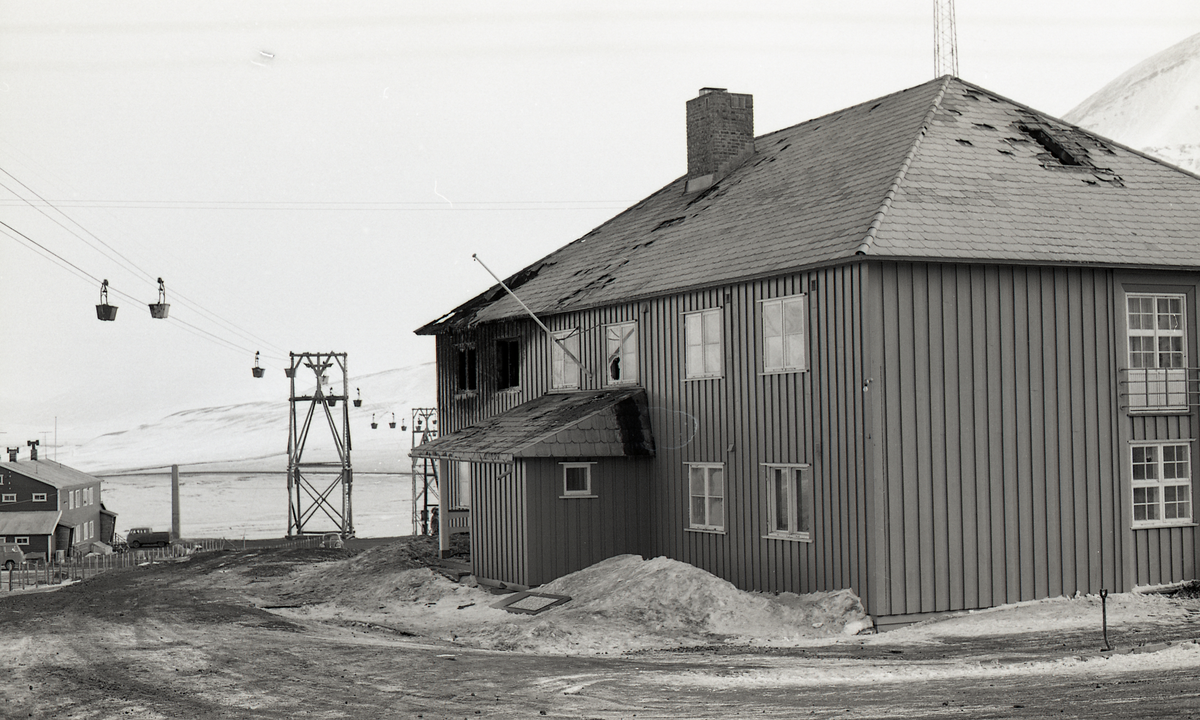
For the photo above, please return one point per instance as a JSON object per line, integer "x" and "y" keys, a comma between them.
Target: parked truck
{"x": 146, "y": 537}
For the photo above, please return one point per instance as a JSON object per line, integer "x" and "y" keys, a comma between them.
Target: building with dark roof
{"x": 938, "y": 347}
{"x": 47, "y": 507}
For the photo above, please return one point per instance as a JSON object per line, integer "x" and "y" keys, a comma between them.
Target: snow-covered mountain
{"x": 1153, "y": 107}
{"x": 254, "y": 436}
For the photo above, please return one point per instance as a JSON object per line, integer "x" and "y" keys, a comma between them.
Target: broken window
{"x": 1157, "y": 335}
{"x": 467, "y": 373}
{"x": 508, "y": 363}
{"x": 620, "y": 347}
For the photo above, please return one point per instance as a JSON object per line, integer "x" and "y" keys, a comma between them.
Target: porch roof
{"x": 602, "y": 423}
{"x": 29, "y": 522}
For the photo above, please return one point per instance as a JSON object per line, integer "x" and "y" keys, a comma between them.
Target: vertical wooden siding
{"x": 1000, "y": 462}
{"x": 569, "y": 534}
{"x": 499, "y": 526}
{"x": 742, "y": 419}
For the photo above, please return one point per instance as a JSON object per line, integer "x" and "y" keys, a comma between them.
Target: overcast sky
{"x": 315, "y": 175}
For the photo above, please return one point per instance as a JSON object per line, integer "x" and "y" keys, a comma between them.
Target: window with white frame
{"x": 39, "y": 497}
{"x": 1157, "y": 328}
{"x": 789, "y": 502}
{"x": 8, "y": 497}
{"x": 1162, "y": 484}
{"x": 463, "y": 485}
{"x": 620, "y": 350}
{"x": 564, "y": 370}
{"x": 702, "y": 343}
{"x": 706, "y": 488}
{"x": 577, "y": 479}
{"x": 22, "y": 539}
{"x": 784, "y": 334}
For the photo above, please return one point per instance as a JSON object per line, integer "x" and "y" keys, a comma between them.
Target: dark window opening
{"x": 467, "y": 367}
{"x": 508, "y": 364}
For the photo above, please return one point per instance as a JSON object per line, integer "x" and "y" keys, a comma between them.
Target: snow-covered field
{"x": 252, "y": 505}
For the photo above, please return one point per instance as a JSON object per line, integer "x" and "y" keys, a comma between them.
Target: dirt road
{"x": 195, "y": 640}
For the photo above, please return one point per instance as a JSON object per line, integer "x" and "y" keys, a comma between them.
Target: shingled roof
{"x": 942, "y": 171}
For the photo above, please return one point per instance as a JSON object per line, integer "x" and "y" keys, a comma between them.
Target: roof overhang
{"x": 29, "y": 522}
{"x": 602, "y": 423}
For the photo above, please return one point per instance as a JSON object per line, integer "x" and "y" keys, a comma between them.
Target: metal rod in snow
{"x": 536, "y": 319}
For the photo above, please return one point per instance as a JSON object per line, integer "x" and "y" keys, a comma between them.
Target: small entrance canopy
{"x": 603, "y": 423}
{"x": 29, "y": 522}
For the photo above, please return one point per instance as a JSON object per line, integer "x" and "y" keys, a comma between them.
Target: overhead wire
{"x": 85, "y": 275}
{"x": 126, "y": 262}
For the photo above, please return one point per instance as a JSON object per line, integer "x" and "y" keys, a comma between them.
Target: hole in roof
{"x": 983, "y": 126}
{"x": 668, "y": 223}
{"x": 1005, "y": 152}
{"x": 785, "y": 147}
{"x": 1052, "y": 145}
{"x": 960, "y": 141}
{"x": 875, "y": 106}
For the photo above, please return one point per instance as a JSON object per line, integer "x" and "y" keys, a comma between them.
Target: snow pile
{"x": 1154, "y": 107}
{"x": 620, "y": 605}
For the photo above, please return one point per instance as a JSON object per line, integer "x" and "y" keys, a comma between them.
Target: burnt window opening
{"x": 1053, "y": 146}
{"x": 467, "y": 368}
{"x": 508, "y": 364}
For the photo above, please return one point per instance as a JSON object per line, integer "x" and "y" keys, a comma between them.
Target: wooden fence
{"x": 35, "y": 574}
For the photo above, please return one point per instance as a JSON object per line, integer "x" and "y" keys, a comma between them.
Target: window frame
{"x": 705, "y": 525}
{"x": 588, "y": 491}
{"x": 21, "y": 540}
{"x": 799, "y": 498}
{"x": 39, "y": 497}
{"x": 704, "y": 344}
{"x": 466, "y": 369}
{"x": 462, "y": 485}
{"x": 508, "y": 363}
{"x": 561, "y": 376}
{"x": 8, "y": 498}
{"x": 1168, "y": 383}
{"x": 626, "y": 349}
{"x": 800, "y": 300}
{"x": 1159, "y": 484}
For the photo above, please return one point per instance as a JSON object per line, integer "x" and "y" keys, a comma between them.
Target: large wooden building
{"x": 939, "y": 348}
{"x": 47, "y": 507}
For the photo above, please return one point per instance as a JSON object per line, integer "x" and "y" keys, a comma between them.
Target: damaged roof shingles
{"x": 814, "y": 205}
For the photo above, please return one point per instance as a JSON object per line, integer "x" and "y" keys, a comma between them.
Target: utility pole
{"x": 945, "y": 42}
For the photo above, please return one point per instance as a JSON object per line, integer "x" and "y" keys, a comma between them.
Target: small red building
{"x": 46, "y": 507}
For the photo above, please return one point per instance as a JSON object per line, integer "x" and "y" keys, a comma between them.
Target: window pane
{"x": 794, "y": 353}
{"x": 712, "y": 359}
{"x": 772, "y": 320}
{"x": 698, "y": 504}
{"x": 577, "y": 479}
{"x": 695, "y": 360}
{"x": 772, "y": 353}
{"x": 712, "y": 327}
{"x": 716, "y": 482}
{"x": 716, "y": 512}
{"x": 793, "y": 316}
{"x": 696, "y": 480}
{"x": 780, "y": 485}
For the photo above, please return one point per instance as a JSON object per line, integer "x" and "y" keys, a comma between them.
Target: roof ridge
{"x": 865, "y": 246}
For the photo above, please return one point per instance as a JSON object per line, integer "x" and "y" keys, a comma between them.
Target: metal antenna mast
{"x": 945, "y": 43}
{"x": 308, "y": 495}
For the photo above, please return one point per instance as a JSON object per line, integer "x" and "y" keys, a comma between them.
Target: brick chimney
{"x": 720, "y": 134}
{"x": 12, "y": 453}
{"x": 33, "y": 446}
